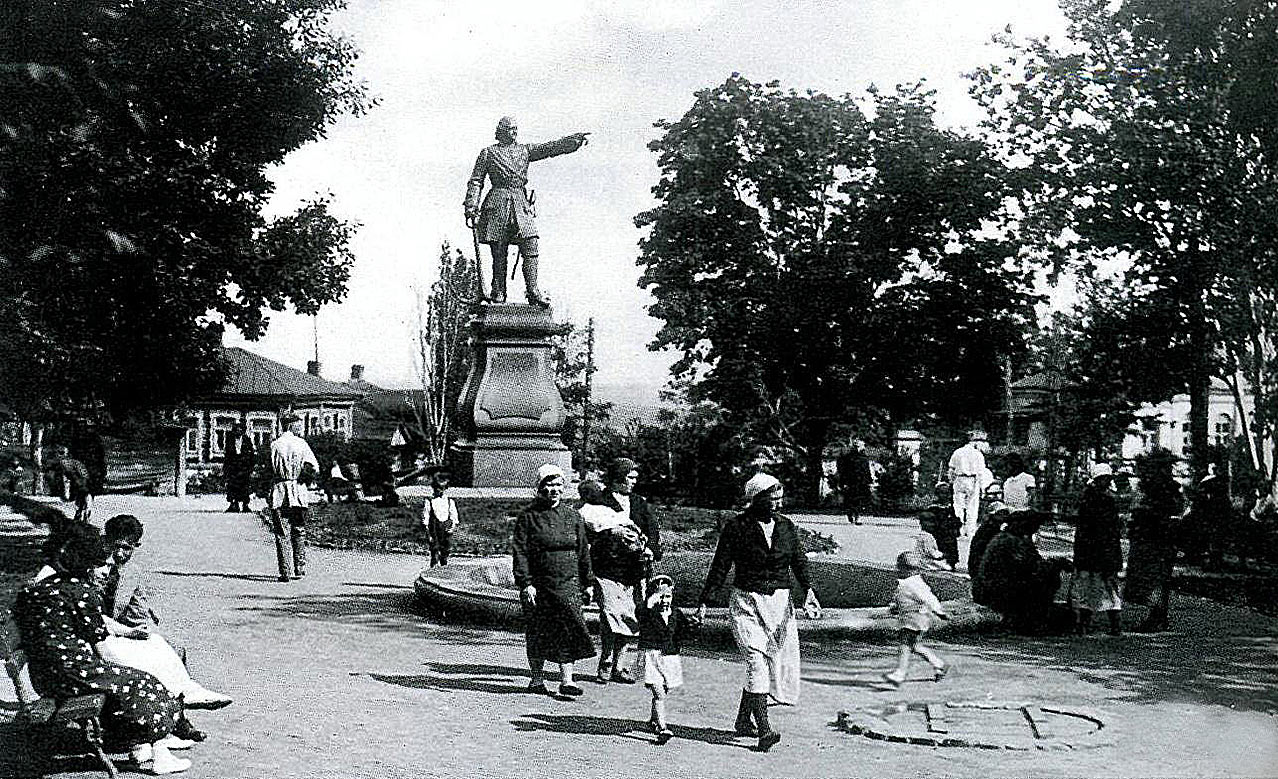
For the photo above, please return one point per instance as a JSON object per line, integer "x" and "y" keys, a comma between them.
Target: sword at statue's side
{"x": 479, "y": 261}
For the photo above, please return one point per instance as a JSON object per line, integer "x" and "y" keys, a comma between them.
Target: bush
{"x": 896, "y": 483}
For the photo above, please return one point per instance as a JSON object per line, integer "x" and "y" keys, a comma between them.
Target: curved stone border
{"x": 462, "y": 587}
{"x": 876, "y": 726}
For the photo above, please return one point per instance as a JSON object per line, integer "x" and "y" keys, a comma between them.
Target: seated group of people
{"x": 87, "y": 627}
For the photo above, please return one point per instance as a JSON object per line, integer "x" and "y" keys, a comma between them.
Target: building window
{"x": 193, "y": 441}
{"x": 1224, "y": 430}
{"x": 221, "y": 433}
{"x": 328, "y": 421}
{"x": 262, "y": 430}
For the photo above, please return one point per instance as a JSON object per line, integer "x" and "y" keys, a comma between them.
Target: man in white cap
{"x": 965, "y": 469}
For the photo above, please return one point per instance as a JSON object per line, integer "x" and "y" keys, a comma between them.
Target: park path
{"x": 336, "y": 675}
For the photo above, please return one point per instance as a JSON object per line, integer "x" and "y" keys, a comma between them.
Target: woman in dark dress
{"x": 60, "y": 619}
{"x": 1152, "y": 551}
{"x": 552, "y": 572}
{"x": 1098, "y": 555}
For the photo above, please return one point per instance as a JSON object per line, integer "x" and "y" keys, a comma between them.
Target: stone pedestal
{"x": 510, "y": 416}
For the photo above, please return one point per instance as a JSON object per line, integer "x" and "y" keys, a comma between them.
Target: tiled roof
{"x": 253, "y": 374}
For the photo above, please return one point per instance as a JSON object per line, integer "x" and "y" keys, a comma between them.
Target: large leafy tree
{"x": 1149, "y": 141}
{"x": 802, "y": 250}
{"x": 135, "y": 140}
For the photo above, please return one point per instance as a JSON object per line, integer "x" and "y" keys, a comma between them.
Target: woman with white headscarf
{"x": 552, "y": 572}
{"x": 764, "y": 548}
{"x": 1098, "y": 554}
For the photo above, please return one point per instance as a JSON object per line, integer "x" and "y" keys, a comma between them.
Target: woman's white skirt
{"x": 617, "y": 606}
{"x": 1095, "y": 591}
{"x": 766, "y": 633}
{"x": 658, "y": 668}
{"x": 152, "y": 655}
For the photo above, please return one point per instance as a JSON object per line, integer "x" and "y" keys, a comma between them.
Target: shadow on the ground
{"x": 472, "y": 677}
{"x": 391, "y": 611}
{"x": 587, "y": 725}
{"x": 477, "y": 683}
{"x": 248, "y": 577}
{"x": 1214, "y": 655}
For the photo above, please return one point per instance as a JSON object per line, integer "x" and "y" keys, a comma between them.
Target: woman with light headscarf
{"x": 552, "y": 572}
{"x": 1098, "y": 554}
{"x": 764, "y": 548}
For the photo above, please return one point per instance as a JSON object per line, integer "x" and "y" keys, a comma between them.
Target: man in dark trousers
{"x": 237, "y": 466}
{"x": 855, "y": 480}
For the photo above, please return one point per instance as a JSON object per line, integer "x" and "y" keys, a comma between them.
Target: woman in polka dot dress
{"x": 60, "y": 619}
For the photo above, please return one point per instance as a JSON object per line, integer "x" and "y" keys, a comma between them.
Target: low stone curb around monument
{"x": 483, "y": 589}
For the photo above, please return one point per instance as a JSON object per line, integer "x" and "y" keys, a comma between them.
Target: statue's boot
{"x": 499, "y": 278}
{"x": 530, "y": 284}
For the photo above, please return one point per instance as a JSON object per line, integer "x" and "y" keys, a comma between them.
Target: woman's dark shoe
{"x": 767, "y": 741}
{"x": 570, "y": 690}
{"x": 622, "y": 677}
{"x": 744, "y": 726}
{"x": 538, "y": 688}
{"x": 185, "y": 730}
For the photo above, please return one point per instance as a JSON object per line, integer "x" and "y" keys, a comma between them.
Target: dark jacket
{"x": 656, "y": 633}
{"x": 1097, "y": 545}
{"x": 550, "y": 550}
{"x": 759, "y": 568}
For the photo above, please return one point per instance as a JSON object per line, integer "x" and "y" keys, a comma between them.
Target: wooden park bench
{"x": 81, "y": 711}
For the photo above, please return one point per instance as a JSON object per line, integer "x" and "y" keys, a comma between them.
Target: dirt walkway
{"x": 337, "y": 676}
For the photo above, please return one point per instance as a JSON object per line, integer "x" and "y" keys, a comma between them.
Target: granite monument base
{"x": 510, "y": 416}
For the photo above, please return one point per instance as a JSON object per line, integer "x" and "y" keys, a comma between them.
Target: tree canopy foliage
{"x": 813, "y": 259}
{"x": 135, "y": 143}
{"x": 1149, "y": 141}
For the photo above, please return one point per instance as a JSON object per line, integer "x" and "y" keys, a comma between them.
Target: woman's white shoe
{"x": 198, "y": 697}
{"x": 164, "y": 762}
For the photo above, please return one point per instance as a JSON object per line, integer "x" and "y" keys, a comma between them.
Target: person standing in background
{"x": 965, "y": 469}
{"x": 289, "y": 500}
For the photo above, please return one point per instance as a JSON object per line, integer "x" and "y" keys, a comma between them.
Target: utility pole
{"x": 587, "y": 406}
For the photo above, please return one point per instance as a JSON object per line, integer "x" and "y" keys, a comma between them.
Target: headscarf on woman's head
{"x": 80, "y": 548}
{"x": 759, "y": 484}
{"x": 619, "y": 468}
{"x": 547, "y": 472}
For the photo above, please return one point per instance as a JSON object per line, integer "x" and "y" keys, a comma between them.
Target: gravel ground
{"x": 336, "y": 675}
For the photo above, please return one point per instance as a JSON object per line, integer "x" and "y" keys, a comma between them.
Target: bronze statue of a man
{"x": 507, "y": 215}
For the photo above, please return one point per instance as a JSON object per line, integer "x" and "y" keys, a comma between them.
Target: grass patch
{"x": 485, "y": 527}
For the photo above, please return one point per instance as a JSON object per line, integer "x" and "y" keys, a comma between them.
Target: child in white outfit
{"x": 662, "y": 628}
{"x": 915, "y": 605}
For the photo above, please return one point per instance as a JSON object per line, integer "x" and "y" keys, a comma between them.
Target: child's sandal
{"x": 664, "y": 735}
{"x": 892, "y": 681}
{"x": 941, "y": 672}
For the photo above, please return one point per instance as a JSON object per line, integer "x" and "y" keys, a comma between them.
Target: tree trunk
{"x": 1199, "y": 391}
{"x": 37, "y": 458}
{"x": 813, "y": 458}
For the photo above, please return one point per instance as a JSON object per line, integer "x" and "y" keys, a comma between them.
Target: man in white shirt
{"x": 966, "y": 466}
{"x": 289, "y": 499}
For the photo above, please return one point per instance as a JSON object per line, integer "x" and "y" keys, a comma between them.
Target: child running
{"x": 914, "y": 604}
{"x": 662, "y": 628}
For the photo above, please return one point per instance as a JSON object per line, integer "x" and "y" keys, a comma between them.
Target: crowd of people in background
{"x": 88, "y": 624}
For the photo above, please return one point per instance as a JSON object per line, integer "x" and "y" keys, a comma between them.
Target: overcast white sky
{"x": 446, "y": 70}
